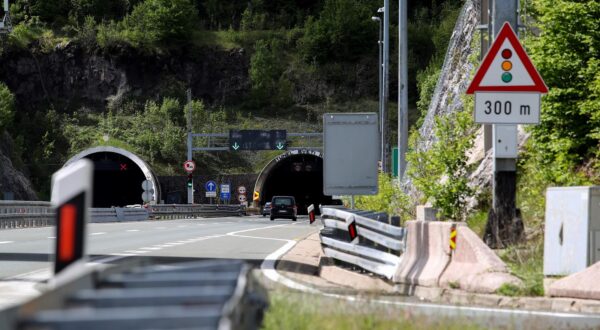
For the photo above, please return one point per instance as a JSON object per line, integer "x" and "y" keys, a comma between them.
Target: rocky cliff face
{"x": 13, "y": 184}
{"x": 452, "y": 84}
{"x": 70, "y": 77}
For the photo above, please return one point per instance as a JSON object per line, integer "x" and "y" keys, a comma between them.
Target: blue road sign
{"x": 210, "y": 186}
{"x": 225, "y": 192}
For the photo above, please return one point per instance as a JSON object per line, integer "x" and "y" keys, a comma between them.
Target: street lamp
{"x": 380, "y": 68}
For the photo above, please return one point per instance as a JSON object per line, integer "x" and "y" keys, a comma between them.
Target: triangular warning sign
{"x": 507, "y": 68}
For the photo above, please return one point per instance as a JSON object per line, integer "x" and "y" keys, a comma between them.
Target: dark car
{"x": 266, "y": 209}
{"x": 284, "y": 207}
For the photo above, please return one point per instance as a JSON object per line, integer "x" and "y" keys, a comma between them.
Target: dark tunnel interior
{"x": 300, "y": 176}
{"x": 117, "y": 180}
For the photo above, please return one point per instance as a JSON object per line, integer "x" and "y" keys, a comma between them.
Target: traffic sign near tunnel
{"x": 257, "y": 140}
{"x": 507, "y": 86}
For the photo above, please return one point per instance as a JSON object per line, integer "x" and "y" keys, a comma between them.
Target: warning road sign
{"x": 507, "y": 68}
{"x": 507, "y": 86}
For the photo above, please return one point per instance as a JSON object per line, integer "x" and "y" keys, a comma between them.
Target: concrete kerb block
{"x": 582, "y": 285}
{"x": 474, "y": 267}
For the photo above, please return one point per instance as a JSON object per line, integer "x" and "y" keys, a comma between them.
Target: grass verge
{"x": 293, "y": 310}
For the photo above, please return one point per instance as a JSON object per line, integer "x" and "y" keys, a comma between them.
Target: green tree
{"x": 266, "y": 70}
{"x": 161, "y": 21}
{"x": 343, "y": 31}
{"x": 567, "y": 54}
{"x": 7, "y": 107}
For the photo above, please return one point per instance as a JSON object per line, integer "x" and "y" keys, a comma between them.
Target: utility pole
{"x": 402, "y": 87}
{"x": 503, "y": 225}
{"x": 386, "y": 62}
{"x": 486, "y": 25}
{"x": 380, "y": 79}
{"x": 190, "y": 190}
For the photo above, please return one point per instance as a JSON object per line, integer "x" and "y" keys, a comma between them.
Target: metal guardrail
{"x": 176, "y": 211}
{"x": 215, "y": 294}
{"x": 379, "y": 246}
{"x": 21, "y": 214}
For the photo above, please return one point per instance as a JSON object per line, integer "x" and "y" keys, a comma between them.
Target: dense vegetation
{"x": 289, "y": 43}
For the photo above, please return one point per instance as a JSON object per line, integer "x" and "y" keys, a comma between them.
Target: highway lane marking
{"x": 98, "y": 233}
{"x": 132, "y": 230}
{"x": 150, "y": 248}
{"x": 52, "y": 237}
{"x": 6, "y": 242}
{"x": 136, "y": 251}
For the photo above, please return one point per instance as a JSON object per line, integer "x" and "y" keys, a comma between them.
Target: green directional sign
{"x": 395, "y": 162}
{"x": 257, "y": 140}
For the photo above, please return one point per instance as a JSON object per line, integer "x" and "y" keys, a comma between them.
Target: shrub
{"x": 440, "y": 172}
{"x": 390, "y": 199}
{"x": 7, "y": 107}
{"x": 164, "y": 21}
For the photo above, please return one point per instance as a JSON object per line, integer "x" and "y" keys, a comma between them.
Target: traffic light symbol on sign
{"x": 190, "y": 181}
{"x": 507, "y": 65}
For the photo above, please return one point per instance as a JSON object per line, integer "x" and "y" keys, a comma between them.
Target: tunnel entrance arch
{"x": 118, "y": 176}
{"x": 297, "y": 173}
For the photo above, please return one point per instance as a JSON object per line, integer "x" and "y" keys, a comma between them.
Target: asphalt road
{"x": 26, "y": 254}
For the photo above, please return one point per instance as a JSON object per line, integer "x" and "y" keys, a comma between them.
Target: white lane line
{"x": 6, "y": 242}
{"x": 98, "y": 233}
{"x": 136, "y": 251}
{"x": 52, "y": 237}
{"x": 123, "y": 254}
{"x": 151, "y": 248}
{"x": 132, "y": 230}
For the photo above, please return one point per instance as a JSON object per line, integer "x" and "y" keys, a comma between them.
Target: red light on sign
{"x": 123, "y": 167}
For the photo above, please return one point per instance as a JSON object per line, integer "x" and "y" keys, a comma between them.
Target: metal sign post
{"x": 507, "y": 90}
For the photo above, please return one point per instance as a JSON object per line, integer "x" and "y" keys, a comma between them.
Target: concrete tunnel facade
{"x": 297, "y": 173}
{"x": 118, "y": 177}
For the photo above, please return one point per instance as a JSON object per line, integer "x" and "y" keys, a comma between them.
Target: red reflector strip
{"x": 66, "y": 244}
{"x": 352, "y": 230}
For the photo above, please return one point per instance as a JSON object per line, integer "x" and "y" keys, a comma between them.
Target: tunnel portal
{"x": 297, "y": 173}
{"x": 118, "y": 177}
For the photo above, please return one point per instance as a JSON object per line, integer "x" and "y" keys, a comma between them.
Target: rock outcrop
{"x": 13, "y": 184}
{"x": 71, "y": 76}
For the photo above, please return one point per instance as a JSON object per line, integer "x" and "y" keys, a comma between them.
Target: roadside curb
{"x": 303, "y": 256}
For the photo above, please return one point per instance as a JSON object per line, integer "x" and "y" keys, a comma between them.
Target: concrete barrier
{"x": 427, "y": 253}
{"x": 428, "y": 260}
{"x": 474, "y": 267}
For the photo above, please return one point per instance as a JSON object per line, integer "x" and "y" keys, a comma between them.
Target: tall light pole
{"x": 380, "y": 78}
{"x": 402, "y": 88}
{"x": 386, "y": 62}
